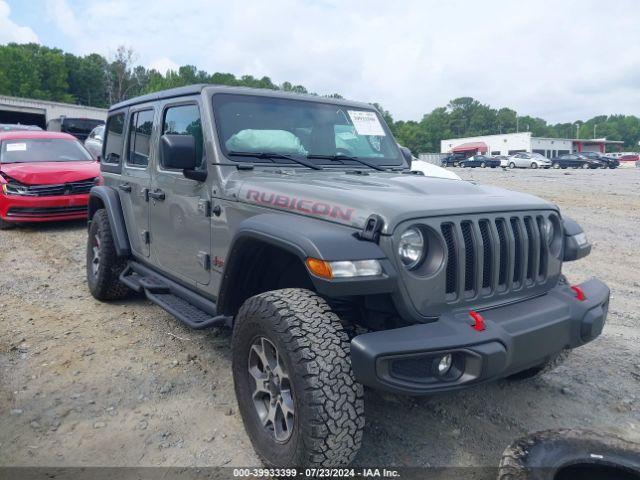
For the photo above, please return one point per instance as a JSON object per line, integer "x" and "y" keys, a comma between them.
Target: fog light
{"x": 444, "y": 365}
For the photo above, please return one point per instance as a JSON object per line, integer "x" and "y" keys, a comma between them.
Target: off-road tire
{"x": 106, "y": 284}
{"x": 329, "y": 404}
{"x": 4, "y": 225}
{"x": 541, "y": 369}
{"x": 570, "y": 454}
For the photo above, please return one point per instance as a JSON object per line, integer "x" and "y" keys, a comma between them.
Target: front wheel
{"x": 4, "y": 225}
{"x": 483, "y": 165}
{"x": 512, "y": 165}
{"x": 556, "y": 165}
{"x": 299, "y": 401}
{"x": 534, "y": 165}
{"x": 585, "y": 165}
{"x": 103, "y": 264}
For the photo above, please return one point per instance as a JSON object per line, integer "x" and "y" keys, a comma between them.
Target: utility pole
{"x": 594, "y": 130}
{"x": 517, "y": 124}
{"x": 577, "y": 130}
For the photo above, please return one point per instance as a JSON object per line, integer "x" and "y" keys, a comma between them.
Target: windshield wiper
{"x": 273, "y": 155}
{"x": 349, "y": 157}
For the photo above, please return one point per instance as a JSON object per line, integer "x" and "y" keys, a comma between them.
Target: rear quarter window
{"x": 114, "y": 140}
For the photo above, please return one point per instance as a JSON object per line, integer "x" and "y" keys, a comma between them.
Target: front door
{"x": 180, "y": 220}
{"x": 136, "y": 178}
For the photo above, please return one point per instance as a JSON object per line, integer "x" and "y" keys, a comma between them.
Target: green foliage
{"x": 35, "y": 71}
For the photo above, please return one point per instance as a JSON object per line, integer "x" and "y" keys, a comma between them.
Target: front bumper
{"x": 517, "y": 336}
{"x": 16, "y": 208}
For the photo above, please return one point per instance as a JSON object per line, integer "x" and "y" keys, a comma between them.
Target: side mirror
{"x": 178, "y": 152}
{"x": 406, "y": 153}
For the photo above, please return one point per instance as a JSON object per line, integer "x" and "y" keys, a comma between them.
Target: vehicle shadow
{"x": 40, "y": 227}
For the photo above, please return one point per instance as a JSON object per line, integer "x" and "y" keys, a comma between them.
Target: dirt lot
{"x": 85, "y": 383}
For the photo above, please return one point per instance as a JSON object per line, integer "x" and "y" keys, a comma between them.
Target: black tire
{"x": 541, "y": 369}
{"x": 4, "y": 225}
{"x": 569, "y": 455}
{"x": 329, "y": 405}
{"x": 104, "y": 283}
{"x": 512, "y": 165}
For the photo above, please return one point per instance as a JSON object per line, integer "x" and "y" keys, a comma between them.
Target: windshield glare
{"x": 255, "y": 124}
{"x": 42, "y": 150}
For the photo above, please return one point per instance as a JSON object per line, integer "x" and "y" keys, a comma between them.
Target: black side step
{"x": 188, "y": 307}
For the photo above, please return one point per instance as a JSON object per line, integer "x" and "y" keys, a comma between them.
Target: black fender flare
{"x": 567, "y": 453}
{"x": 108, "y": 198}
{"x": 304, "y": 238}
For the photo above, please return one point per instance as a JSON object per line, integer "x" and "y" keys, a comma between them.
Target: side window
{"x": 140, "y": 126}
{"x": 114, "y": 139}
{"x": 185, "y": 120}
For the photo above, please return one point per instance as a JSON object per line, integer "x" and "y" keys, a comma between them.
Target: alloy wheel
{"x": 272, "y": 395}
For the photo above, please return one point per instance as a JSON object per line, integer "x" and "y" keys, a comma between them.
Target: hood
{"x": 47, "y": 173}
{"x": 349, "y": 199}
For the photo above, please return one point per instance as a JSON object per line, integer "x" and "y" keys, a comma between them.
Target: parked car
{"x": 604, "y": 161}
{"x": 452, "y": 160}
{"x": 574, "y": 160}
{"x": 336, "y": 269}
{"x": 504, "y": 160}
{"x": 630, "y": 157}
{"x": 78, "y": 127}
{"x": 528, "y": 160}
{"x": 93, "y": 143}
{"x": 480, "y": 161}
{"x": 11, "y": 127}
{"x": 44, "y": 176}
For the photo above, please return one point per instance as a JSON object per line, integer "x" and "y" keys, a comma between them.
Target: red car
{"x": 629, "y": 158}
{"x": 44, "y": 176}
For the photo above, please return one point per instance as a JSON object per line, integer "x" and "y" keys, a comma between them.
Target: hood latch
{"x": 372, "y": 228}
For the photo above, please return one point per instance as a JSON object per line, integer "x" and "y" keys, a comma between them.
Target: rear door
{"x": 179, "y": 207}
{"x": 136, "y": 177}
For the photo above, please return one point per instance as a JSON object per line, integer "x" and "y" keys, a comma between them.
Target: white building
{"x": 29, "y": 111}
{"x": 510, "y": 143}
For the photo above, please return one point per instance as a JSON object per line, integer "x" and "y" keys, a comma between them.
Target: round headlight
{"x": 411, "y": 248}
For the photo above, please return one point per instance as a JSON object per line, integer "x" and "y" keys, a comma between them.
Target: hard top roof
{"x": 263, "y": 92}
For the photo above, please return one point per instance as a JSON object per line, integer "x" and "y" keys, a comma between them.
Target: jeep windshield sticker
{"x": 16, "y": 147}
{"x": 302, "y": 205}
{"x": 366, "y": 123}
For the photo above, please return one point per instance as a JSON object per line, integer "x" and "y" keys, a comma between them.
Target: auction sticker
{"x": 16, "y": 147}
{"x": 366, "y": 123}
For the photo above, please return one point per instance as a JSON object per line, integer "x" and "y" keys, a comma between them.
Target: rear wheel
{"x": 103, "y": 264}
{"x": 483, "y": 165}
{"x": 296, "y": 392}
{"x": 585, "y": 165}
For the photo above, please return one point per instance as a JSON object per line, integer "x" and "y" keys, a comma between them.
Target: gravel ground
{"x": 87, "y": 383}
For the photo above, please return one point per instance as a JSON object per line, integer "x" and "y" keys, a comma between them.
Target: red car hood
{"x": 46, "y": 173}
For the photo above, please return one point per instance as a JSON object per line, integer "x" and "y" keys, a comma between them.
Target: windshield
{"x": 42, "y": 150}
{"x": 322, "y": 132}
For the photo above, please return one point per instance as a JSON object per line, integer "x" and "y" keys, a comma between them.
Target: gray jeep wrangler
{"x": 296, "y": 221}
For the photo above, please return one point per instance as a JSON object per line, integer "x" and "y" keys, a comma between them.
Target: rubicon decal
{"x": 303, "y": 205}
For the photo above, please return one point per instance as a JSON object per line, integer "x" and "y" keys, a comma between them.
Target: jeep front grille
{"x": 486, "y": 256}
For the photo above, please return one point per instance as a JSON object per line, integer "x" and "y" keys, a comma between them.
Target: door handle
{"x": 125, "y": 187}
{"x": 157, "y": 195}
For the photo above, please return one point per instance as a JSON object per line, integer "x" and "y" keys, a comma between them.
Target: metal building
{"x": 29, "y": 111}
{"x": 510, "y": 143}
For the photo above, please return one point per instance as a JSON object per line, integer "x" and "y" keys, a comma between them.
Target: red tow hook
{"x": 478, "y": 321}
{"x": 580, "y": 296}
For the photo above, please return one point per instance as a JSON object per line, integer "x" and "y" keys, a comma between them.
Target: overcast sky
{"x": 560, "y": 60}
